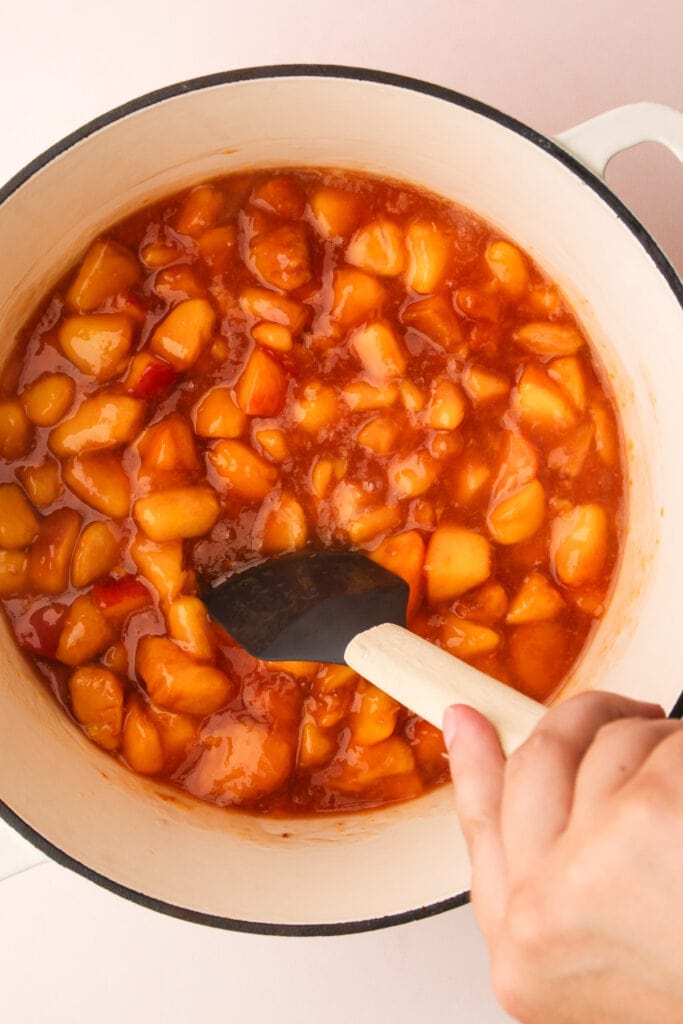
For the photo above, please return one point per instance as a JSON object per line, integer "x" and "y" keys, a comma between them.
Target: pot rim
{"x": 262, "y": 72}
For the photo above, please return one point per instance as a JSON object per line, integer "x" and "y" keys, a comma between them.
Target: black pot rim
{"x": 364, "y": 75}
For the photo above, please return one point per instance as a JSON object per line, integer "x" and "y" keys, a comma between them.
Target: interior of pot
{"x": 328, "y": 870}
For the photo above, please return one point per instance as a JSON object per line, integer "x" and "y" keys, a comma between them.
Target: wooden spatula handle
{"x": 427, "y": 680}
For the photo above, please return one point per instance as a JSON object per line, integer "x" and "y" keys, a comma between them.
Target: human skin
{"x": 576, "y": 844}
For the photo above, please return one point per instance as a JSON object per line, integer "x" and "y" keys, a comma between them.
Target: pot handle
{"x": 16, "y": 854}
{"x": 595, "y": 142}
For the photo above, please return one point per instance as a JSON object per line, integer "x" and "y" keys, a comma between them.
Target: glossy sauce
{"x": 387, "y": 388}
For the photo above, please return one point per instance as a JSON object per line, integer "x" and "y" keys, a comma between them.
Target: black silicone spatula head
{"x": 307, "y": 606}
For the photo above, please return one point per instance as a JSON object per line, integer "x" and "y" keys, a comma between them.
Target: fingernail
{"x": 450, "y": 725}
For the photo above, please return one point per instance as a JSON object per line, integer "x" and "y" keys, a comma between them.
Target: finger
{"x": 477, "y": 768}
{"x": 541, "y": 774}
{"x": 665, "y": 763}
{"x": 620, "y": 750}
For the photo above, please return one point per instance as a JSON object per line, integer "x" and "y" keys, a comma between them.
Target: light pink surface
{"x": 70, "y": 951}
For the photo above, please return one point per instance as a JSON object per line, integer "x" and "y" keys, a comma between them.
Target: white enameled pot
{"x": 335, "y": 874}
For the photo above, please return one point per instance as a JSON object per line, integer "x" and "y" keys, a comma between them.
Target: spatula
{"x": 340, "y": 607}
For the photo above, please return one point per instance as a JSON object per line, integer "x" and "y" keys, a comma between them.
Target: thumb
{"x": 477, "y": 769}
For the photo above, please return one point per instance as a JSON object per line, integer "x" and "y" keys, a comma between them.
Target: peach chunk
{"x": 606, "y": 439}
{"x": 281, "y": 195}
{"x": 246, "y": 760}
{"x": 107, "y": 269}
{"x": 544, "y": 338}
{"x": 336, "y": 212}
{"x": 168, "y": 447}
{"x": 106, "y": 420}
{"x": 365, "y": 765}
{"x": 536, "y": 600}
{"x": 578, "y": 544}
{"x": 275, "y": 336}
{"x": 160, "y": 254}
{"x": 141, "y": 743}
{"x": 48, "y": 398}
{"x": 315, "y": 407}
{"x": 331, "y": 678}
{"x": 97, "y": 703}
{"x": 42, "y": 483}
{"x": 483, "y": 386}
{"x": 246, "y": 473}
{"x": 85, "y": 633}
{"x": 481, "y": 304}
{"x": 361, "y": 396}
{"x": 378, "y": 248}
{"x": 427, "y": 255}
{"x": 412, "y": 475}
{"x": 13, "y": 572}
{"x": 178, "y": 284}
{"x": 537, "y": 652}
{"x": 50, "y": 555}
{"x": 316, "y": 746}
{"x": 217, "y": 415}
{"x": 436, "y": 319}
{"x": 355, "y": 297}
{"x": 487, "y": 604}
{"x": 379, "y": 350}
{"x": 457, "y": 560}
{"x": 98, "y": 343}
{"x": 446, "y": 409}
{"x": 471, "y": 477}
{"x": 404, "y": 556}
{"x": 281, "y": 257}
{"x": 178, "y": 513}
{"x": 18, "y": 522}
{"x": 509, "y": 267}
{"x": 176, "y": 681}
{"x": 322, "y": 473}
{"x": 262, "y": 385}
{"x": 199, "y": 210}
{"x": 99, "y": 479}
{"x": 518, "y": 517}
{"x": 96, "y": 553}
{"x": 116, "y": 658}
{"x": 264, "y": 304}
{"x": 569, "y": 456}
{"x": 372, "y": 522}
{"x": 15, "y": 430}
{"x": 540, "y": 403}
{"x": 181, "y": 337}
{"x": 190, "y": 627}
{"x": 285, "y": 527}
{"x": 353, "y": 515}
{"x": 414, "y": 399}
{"x": 118, "y": 598}
{"x": 467, "y": 639}
{"x": 218, "y": 248}
{"x": 518, "y": 466}
{"x": 379, "y": 434}
{"x": 161, "y": 564}
{"x": 568, "y": 374}
{"x": 374, "y": 715}
{"x": 273, "y": 442}
{"x": 148, "y": 377}
{"x": 177, "y": 734}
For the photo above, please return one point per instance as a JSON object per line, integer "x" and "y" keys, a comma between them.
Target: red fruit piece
{"x": 117, "y": 598}
{"x": 156, "y": 377}
{"x": 39, "y": 632}
{"x": 262, "y": 385}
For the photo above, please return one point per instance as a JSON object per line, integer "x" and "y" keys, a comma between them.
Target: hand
{"x": 576, "y": 843}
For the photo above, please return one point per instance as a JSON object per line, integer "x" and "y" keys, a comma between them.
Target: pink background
{"x": 70, "y": 951}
